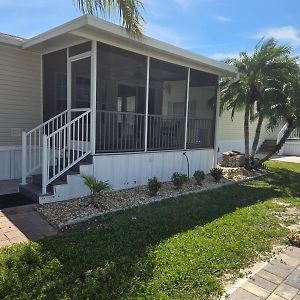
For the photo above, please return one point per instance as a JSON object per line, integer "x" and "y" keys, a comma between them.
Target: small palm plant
{"x": 95, "y": 186}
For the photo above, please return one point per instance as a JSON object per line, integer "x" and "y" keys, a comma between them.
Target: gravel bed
{"x": 61, "y": 214}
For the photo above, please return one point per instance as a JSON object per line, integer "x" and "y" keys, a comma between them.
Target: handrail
{"x": 295, "y": 134}
{"x": 71, "y": 122}
{"x": 32, "y": 141}
{"x": 65, "y": 147}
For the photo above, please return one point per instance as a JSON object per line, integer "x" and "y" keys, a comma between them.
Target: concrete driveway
{"x": 292, "y": 159}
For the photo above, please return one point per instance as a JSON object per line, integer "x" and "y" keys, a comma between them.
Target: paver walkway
{"x": 21, "y": 224}
{"x": 278, "y": 280}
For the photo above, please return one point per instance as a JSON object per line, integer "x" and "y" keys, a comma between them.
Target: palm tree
{"x": 129, "y": 12}
{"x": 262, "y": 76}
{"x": 286, "y": 108}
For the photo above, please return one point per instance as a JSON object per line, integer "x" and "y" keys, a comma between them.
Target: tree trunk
{"x": 277, "y": 147}
{"x": 246, "y": 134}
{"x": 256, "y": 137}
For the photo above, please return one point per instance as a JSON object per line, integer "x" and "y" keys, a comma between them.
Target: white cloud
{"x": 288, "y": 34}
{"x": 185, "y": 4}
{"x": 222, "y": 55}
{"x": 223, "y": 19}
{"x": 165, "y": 34}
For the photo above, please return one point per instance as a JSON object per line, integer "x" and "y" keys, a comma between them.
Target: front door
{"x": 80, "y": 69}
{"x": 80, "y": 99}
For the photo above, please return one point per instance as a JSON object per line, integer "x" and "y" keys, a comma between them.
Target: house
{"x": 84, "y": 98}
{"x": 231, "y": 136}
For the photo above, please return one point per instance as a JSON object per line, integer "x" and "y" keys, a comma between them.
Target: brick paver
{"x": 22, "y": 224}
{"x": 278, "y": 280}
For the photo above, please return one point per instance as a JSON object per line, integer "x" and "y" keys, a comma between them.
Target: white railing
{"x": 32, "y": 143}
{"x": 65, "y": 147}
{"x": 56, "y": 145}
{"x": 295, "y": 134}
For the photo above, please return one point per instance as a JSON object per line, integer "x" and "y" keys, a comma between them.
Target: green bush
{"x": 153, "y": 185}
{"x": 95, "y": 186}
{"x": 199, "y": 177}
{"x": 179, "y": 179}
{"x": 216, "y": 173}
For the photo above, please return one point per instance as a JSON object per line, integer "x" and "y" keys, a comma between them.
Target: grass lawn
{"x": 176, "y": 249}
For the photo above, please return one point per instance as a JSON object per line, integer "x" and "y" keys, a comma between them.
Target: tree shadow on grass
{"x": 111, "y": 262}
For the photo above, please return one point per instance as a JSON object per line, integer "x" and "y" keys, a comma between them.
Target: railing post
{"x": 24, "y": 158}
{"x": 187, "y": 107}
{"x": 217, "y": 119}
{"x": 44, "y": 165}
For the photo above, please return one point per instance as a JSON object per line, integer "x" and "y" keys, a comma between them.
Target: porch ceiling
{"x": 88, "y": 27}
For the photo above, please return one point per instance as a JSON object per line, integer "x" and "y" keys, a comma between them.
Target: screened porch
{"x": 140, "y": 103}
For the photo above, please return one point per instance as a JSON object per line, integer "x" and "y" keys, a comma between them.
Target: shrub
{"x": 199, "y": 177}
{"x": 179, "y": 179}
{"x": 153, "y": 185}
{"x": 216, "y": 173}
{"x": 95, "y": 186}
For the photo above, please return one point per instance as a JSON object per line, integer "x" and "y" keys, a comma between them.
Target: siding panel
{"x": 20, "y": 92}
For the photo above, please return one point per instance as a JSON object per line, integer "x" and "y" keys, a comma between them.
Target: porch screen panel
{"x": 167, "y": 105}
{"x": 121, "y": 98}
{"x": 54, "y": 83}
{"x": 202, "y": 110}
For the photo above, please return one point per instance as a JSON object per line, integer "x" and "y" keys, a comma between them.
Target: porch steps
{"x": 62, "y": 188}
{"x": 267, "y": 146}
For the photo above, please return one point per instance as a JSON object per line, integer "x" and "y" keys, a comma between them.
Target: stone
{"x": 289, "y": 260}
{"x": 275, "y": 297}
{"x": 270, "y": 277}
{"x": 264, "y": 283}
{"x": 286, "y": 291}
{"x": 294, "y": 279}
{"x": 278, "y": 268}
{"x": 256, "y": 290}
{"x": 294, "y": 252}
{"x": 243, "y": 294}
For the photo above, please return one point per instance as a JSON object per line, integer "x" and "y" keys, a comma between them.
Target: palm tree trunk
{"x": 246, "y": 134}
{"x": 256, "y": 137}
{"x": 277, "y": 147}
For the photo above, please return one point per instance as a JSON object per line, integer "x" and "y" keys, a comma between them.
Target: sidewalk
{"x": 22, "y": 224}
{"x": 277, "y": 280}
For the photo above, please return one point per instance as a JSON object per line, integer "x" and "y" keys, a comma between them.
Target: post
{"x": 187, "y": 107}
{"x": 147, "y": 101}
{"x": 93, "y": 95}
{"x": 44, "y": 165}
{"x": 217, "y": 126}
{"x": 24, "y": 158}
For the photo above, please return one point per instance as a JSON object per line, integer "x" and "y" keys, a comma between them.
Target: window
{"x": 167, "y": 105}
{"x": 202, "y": 109}
{"x": 121, "y": 99}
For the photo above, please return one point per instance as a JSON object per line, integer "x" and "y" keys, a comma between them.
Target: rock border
{"x": 78, "y": 220}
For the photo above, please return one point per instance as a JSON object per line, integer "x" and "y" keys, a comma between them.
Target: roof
{"x": 11, "y": 39}
{"x": 88, "y": 26}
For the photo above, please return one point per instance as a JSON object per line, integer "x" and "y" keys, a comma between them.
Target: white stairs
{"x": 54, "y": 156}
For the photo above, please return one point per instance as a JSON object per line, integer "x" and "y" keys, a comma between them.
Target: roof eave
{"x": 94, "y": 22}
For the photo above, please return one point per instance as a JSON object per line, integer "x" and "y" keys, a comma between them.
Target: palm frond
{"x": 129, "y": 12}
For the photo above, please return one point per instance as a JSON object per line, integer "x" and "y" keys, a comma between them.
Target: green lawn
{"x": 176, "y": 249}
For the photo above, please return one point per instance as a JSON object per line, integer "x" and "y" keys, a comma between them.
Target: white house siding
{"x": 291, "y": 148}
{"x": 130, "y": 170}
{"x": 231, "y": 133}
{"x": 20, "y": 104}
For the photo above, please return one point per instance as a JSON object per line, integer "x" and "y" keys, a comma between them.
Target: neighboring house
{"x": 120, "y": 109}
{"x": 231, "y": 136}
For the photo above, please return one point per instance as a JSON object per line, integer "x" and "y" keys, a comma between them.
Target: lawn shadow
{"x": 111, "y": 260}
{"x": 121, "y": 246}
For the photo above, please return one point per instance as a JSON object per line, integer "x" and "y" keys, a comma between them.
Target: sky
{"x": 214, "y": 28}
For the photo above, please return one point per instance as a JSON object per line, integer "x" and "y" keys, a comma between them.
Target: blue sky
{"x": 215, "y": 28}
